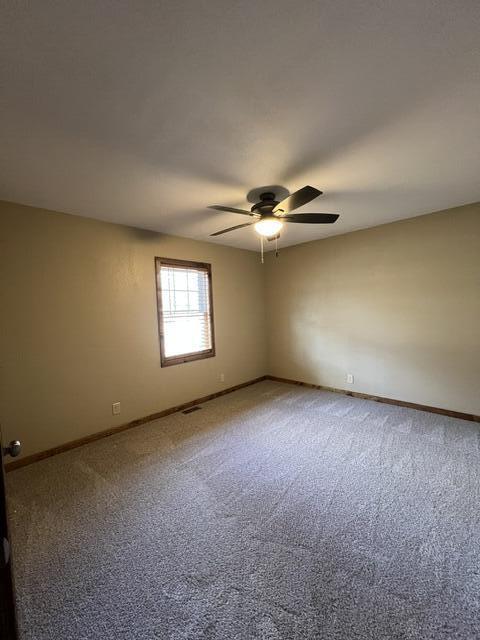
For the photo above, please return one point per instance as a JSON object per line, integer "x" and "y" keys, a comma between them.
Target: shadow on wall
{"x": 379, "y": 365}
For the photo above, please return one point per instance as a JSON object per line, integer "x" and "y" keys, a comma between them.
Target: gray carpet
{"x": 275, "y": 512}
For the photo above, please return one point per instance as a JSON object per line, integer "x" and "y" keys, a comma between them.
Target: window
{"x": 185, "y": 311}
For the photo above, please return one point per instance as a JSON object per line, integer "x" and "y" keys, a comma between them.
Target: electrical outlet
{"x": 350, "y": 378}
{"x": 222, "y": 377}
{"x": 116, "y": 408}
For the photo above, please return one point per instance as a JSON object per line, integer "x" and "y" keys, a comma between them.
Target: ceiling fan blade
{"x": 297, "y": 199}
{"x": 312, "y": 218}
{"x": 238, "y": 226}
{"x": 218, "y": 207}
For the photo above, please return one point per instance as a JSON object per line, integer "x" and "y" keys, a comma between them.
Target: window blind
{"x": 185, "y": 313}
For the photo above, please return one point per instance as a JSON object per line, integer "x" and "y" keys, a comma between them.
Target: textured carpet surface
{"x": 275, "y": 512}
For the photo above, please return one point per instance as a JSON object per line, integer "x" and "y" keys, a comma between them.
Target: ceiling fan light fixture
{"x": 268, "y": 226}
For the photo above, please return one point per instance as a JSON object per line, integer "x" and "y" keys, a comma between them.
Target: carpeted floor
{"x": 275, "y": 512}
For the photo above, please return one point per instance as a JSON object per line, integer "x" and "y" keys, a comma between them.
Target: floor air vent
{"x": 192, "y": 409}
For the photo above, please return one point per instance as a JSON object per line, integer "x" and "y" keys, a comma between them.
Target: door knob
{"x": 12, "y": 449}
{"x": 6, "y": 554}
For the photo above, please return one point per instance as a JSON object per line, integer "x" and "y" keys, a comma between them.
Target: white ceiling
{"x": 143, "y": 112}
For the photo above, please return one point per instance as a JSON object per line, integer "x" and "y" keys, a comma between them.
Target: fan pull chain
{"x": 261, "y": 244}
{"x": 276, "y": 246}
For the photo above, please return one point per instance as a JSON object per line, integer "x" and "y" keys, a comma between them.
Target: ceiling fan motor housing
{"x": 266, "y": 205}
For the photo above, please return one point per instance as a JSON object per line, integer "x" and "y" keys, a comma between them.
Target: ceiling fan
{"x": 269, "y": 215}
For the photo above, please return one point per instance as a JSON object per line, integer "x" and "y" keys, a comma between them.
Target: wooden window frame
{"x": 196, "y": 355}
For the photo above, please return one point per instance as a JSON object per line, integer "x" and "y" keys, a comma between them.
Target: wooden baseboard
{"x": 367, "y": 396}
{"x": 73, "y": 444}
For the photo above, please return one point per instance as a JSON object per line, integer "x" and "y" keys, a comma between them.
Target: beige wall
{"x": 396, "y": 305}
{"x": 79, "y": 325}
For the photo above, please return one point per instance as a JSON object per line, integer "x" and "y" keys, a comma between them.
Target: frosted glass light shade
{"x": 268, "y": 227}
